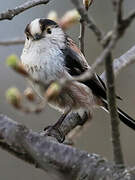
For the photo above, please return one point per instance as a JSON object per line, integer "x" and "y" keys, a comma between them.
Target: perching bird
{"x": 49, "y": 55}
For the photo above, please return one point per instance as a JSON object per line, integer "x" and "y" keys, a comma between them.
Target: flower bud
{"x": 71, "y": 17}
{"x": 29, "y": 94}
{"x": 15, "y": 64}
{"x": 12, "y": 61}
{"x": 53, "y": 91}
{"x": 87, "y": 3}
{"x": 53, "y": 16}
{"x": 13, "y": 96}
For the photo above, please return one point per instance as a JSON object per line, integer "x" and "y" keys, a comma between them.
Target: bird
{"x": 49, "y": 55}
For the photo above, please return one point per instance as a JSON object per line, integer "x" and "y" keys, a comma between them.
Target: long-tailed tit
{"x": 49, "y": 55}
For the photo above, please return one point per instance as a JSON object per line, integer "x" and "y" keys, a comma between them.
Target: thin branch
{"x": 10, "y": 42}
{"x": 90, "y": 22}
{"x": 129, "y": 19}
{"x": 111, "y": 94}
{"x": 119, "y": 11}
{"x": 81, "y": 37}
{"x": 131, "y": 16}
{"x": 58, "y": 160}
{"x": 122, "y": 62}
{"x": 11, "y": 13}
{"x": 111, "y": 97}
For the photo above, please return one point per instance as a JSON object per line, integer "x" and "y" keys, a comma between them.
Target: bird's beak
{"x": 37, "y": 37}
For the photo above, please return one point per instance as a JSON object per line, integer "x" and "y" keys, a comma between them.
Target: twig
{"x": 61, "y": 161}
{"x": 119, "y": 11}
{"x": 81, "y": 37}
{"x": 111, "y": 95}
{"x": 11, "y": 13}
{"x": 122, "y": 62}
{"x": 117, "y": 150}
{"x": 10, "y": 42}
{"x": 90, "y": 22}
{"x": 131, "y": 16}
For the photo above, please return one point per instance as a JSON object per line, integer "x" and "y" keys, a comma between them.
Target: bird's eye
{"x": 27, "y": 37}
{"x": 49, "y": 30}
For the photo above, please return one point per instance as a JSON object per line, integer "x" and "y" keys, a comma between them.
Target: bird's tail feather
{"x": 125, "y": 118}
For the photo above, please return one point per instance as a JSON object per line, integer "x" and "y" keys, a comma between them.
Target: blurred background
{"x": 94, "y": 139}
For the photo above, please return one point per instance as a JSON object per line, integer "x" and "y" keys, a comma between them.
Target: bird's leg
{"x": 54, "y": 130}
{"x": 85, "y": 117}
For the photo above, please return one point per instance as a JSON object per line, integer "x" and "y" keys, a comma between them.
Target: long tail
{"x": 125, "y": 118}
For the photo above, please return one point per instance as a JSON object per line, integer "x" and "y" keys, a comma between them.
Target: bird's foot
{"x": 54, "y": 132}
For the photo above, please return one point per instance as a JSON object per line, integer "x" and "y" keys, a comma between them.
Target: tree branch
{"x": 111, "y": 94}
{"x": 81, "y": 37}
{"x": 119, "y": 11}
{"x": 10, "y": 42}
{"x": 122, "y": 62}
{"x": 11, "y": 13}
{"x": 130, "y": 17}
{"x": 61, "y": 161}
{"x": 117, "y": 150}
{"x": 90, "y": 22}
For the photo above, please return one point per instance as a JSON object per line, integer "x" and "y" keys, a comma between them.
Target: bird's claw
{"x": 54, "y": 132}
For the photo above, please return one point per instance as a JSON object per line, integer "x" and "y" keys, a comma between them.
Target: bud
{"x": 29, "y": 94}
{"x": 87, "y": 3}
{"x": 53, "y": 91}
{"x": 12, "y": 61}
{"x": 15, "y": 64}
{"x": 53, "y": 16}
{"x": 13, "y": 96}
{"x": 69, "y": 18}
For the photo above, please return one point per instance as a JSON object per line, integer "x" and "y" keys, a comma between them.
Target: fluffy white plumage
{"x": 44, "y": 53}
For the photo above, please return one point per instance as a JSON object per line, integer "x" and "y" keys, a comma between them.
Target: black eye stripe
{"x": 27, "y": 30}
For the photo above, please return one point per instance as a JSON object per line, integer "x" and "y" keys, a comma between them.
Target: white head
{"x": 44, "y": 29}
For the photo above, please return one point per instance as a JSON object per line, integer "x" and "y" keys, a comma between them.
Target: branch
{"x": 81, "y": 37}
{"x": 61, "y": 161}
{"x": 11, "y": 13}
{"x": 10, "y": 42}
{"x": 111, "y": 94}
{"x": 122, "y": 62}
{"x": 90, "y": 22}
{"x": 119, "y": 30}
{"x": 119, "y": 11}
{"x": 117, "y": 150}
{"x": 130, "y": 17}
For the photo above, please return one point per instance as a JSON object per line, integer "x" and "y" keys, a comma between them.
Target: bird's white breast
{"x": 43, "y": 60}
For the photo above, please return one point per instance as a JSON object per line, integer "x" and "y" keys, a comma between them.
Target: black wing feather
{"x": 74, "y": 65}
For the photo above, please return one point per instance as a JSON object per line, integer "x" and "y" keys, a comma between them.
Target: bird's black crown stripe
{"x": 47, "y": 22}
